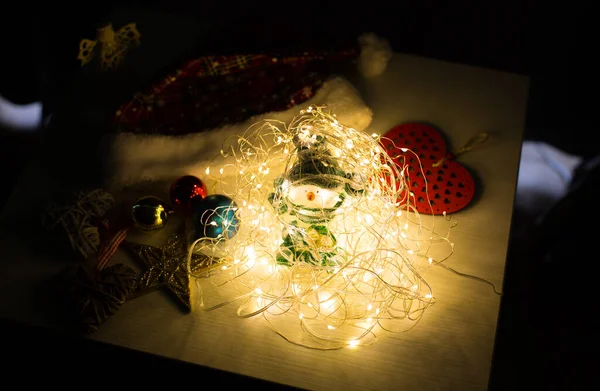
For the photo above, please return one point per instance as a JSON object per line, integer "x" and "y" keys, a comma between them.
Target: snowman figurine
{"x": 306, "y": 198}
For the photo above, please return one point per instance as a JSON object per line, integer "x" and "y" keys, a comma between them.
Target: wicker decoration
{"x": 99, "y": 294}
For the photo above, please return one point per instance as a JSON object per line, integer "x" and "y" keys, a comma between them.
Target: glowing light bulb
{"x": 328, "y": 304}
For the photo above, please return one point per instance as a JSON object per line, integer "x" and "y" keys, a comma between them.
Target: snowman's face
{"x": 314, "y": 197}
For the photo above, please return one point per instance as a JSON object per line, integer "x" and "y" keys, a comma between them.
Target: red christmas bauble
{"x": 187, "y": 190}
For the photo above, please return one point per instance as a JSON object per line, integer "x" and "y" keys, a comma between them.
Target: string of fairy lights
{"x": 328, "y": 246}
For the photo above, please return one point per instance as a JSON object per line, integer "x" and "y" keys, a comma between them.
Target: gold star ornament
{"x": 166, "y": 268}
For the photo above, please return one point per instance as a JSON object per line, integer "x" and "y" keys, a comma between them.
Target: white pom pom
{"x": 374, "y": 56}
{"x": 344, "y": 100}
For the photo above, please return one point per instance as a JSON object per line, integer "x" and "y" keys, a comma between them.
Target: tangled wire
{"x": 329, "y": 246}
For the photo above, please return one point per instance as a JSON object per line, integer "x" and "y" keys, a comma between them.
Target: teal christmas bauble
{"x": 215, "y": 217}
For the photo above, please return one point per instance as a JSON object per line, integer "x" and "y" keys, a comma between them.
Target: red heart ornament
{"x": 439, "y": 183}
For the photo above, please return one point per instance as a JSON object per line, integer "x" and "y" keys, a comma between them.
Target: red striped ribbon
{"x": 110, "y": 243}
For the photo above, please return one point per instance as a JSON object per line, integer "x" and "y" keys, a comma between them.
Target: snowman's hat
{"x": 316, "y": 166}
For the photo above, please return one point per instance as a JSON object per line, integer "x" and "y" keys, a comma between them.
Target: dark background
{"x": 553, "y": 43}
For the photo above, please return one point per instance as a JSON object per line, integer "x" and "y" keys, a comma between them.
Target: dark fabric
{"x": 212, "y": 91}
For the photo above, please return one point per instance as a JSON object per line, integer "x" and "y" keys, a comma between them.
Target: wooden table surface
{"x": 450, "y": 349}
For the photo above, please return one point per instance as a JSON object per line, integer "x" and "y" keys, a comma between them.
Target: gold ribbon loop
{"x": 473, "y": 142}
{"x": 112, "y": 45}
